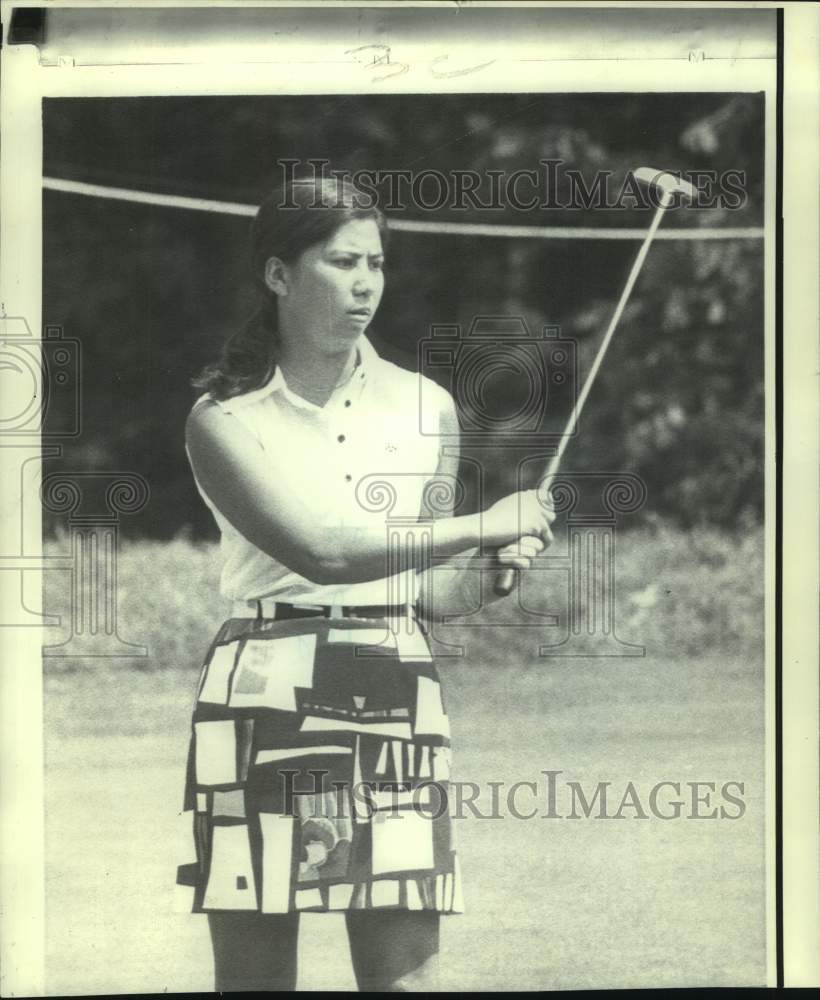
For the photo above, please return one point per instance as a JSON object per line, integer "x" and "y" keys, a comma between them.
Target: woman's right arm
{"x": 251, "y": 488}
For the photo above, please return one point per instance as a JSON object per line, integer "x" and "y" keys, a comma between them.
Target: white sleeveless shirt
{"x": 363, "y": 457}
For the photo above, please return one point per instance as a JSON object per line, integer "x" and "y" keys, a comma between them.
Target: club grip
{"x": 505, "y": 580}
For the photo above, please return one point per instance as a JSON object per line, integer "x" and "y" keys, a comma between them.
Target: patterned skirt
{"x": 318, "y": 771}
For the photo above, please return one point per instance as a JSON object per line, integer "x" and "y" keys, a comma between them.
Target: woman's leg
{"x": 254, "y": 951}
{"x": 394, "y": 950}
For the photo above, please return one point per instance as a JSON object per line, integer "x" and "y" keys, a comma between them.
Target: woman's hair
{"x": 294, "y": 217}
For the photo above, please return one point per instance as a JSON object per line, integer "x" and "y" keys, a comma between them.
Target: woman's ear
{"x": 276, "y": 276}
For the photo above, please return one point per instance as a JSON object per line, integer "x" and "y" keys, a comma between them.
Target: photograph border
{"x": 791, "y": 692}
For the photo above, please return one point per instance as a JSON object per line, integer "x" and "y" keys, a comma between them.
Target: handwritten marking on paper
{"x": 378, "y": 55}
{"x": 447, "y": 73}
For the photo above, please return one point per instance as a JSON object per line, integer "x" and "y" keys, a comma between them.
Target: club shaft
{"x": 505, "y": 579}
{"x": 605, "y": 342}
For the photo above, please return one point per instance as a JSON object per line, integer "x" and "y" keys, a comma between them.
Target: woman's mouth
{"x": 361, "y": 312}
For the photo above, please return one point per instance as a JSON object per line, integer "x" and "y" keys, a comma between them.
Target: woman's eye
{"x": 350, "y": 263}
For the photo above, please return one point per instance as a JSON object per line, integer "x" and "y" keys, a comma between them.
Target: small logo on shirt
{"x": 391, "y": 448}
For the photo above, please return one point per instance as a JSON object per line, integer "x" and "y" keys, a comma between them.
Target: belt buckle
{"x": 308, "y": 610}
{"x": 267, "y": 607}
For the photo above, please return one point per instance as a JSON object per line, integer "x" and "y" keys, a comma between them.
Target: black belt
{"x": 280, "y": 611}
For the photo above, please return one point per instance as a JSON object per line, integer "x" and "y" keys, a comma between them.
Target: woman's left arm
{"x": 454, "y": 587}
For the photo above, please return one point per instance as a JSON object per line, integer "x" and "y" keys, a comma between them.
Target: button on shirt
{"x": 357, "y": 460}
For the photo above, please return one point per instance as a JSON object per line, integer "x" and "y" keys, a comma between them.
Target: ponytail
{"x": 248, "y": 358}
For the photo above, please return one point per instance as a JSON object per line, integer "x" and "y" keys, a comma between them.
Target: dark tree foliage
{"x": 151, "y": 292}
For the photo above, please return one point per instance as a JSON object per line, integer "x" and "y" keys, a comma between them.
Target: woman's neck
{"x": 315, "y": 376}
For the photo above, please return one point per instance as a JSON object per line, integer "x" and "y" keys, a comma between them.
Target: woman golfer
{"x": 320, "y": 750}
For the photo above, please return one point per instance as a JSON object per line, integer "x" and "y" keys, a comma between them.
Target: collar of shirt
{"x": 345, "y": 393}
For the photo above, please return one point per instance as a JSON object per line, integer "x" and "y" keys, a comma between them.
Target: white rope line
{"x": 572, "y": 232}
{"x": 148, "y": 197}
{"x": 406, "y": 225}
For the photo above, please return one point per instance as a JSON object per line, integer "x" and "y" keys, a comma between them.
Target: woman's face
{"x": 333, "y": 290}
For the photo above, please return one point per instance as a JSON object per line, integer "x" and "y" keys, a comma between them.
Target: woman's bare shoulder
{"x": 203, "y": 411}
{"x": 207, "y": 421}
{"x": 213, "y": 434}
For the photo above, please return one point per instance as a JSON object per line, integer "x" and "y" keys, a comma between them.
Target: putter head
{"x": 667, "y": 183}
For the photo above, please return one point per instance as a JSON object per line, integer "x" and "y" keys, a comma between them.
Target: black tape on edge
{"x": 28, "y": 26}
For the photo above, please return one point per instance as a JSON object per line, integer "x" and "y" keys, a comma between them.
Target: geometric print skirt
{"x": 318, "y": 770}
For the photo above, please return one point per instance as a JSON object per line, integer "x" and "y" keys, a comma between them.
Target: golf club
{"x": 669, "y": 186}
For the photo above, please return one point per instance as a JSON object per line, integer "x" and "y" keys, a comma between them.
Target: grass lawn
{"x": 551, "y": 903}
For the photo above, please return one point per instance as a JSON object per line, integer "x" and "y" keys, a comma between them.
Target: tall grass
{"x": 701, "y": 590}
{"x": 167, "y": 600}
